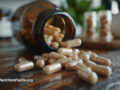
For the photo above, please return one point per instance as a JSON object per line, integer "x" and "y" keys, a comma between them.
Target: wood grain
{"x": 65, "y": 80}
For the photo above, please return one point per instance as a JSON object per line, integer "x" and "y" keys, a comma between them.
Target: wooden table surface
{"x": 10, "y": 51}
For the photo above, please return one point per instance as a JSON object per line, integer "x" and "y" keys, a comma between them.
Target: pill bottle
{"x": 90, "y": 22}
{"x": 28, "y": 24}
{"x": 105, "y": 18}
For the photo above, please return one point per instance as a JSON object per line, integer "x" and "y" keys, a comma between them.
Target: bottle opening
{"x": 57, "y": 21}
{"x": 57, "y": 29}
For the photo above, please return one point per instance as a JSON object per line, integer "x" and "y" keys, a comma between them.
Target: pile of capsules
{"x": 86, "y": 63}
{"x": 53, "y": 36}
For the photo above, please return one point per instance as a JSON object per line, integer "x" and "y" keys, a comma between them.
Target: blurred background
{"x": 76, "y": 8}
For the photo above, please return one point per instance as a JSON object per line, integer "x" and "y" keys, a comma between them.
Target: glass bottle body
{"x": 32, "y": 21}
{"x": 90, "y": 23}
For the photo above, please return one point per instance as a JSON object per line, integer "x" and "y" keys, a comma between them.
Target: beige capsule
{"x": 100, "y": 69}
{"x": 55, "y": 45}
{"x": 56, "y": 55}
{"x": 71, "y": 64}
{"x": 46, "y": 55}
{"x": 45, "y": 36}
{"x": 24, "y": 66}
{"x": 53, "y": 28}
{"x": 90, "y": 77}
{"x": 51, "y": 61}
{"x": 84, "y": 56}
{"x": 37, "y": 57}
{"x": 49, "y": 39}
{"x": 74, "y": 57}
{"x": 40, "y": 63}
{"x": 22, "y": 60}
{"x": 58, "y": 38}
{"x": 61, "y": 35}
{"x": 90, "y": 63}
{"x": 81, "y": 65}
{"x": 100, "y": 60}
{"x": 75, "y": 54}
{"x": 57, "y": 29}
{"x": 63, "y": 44}
{"x": 64, "y": 61}
{"x": 50, "y": 69}
{"x": 49, "y": 26}
{"x": 70, "y": 58}
{"x": 76, "y": 51}
{"x": 65, "y": 51}
{"x": 71, "y": 43}
{"x": 49, "y": 31}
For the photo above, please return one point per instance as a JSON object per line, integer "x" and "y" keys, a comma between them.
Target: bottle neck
{"x": 64, "y": 19}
